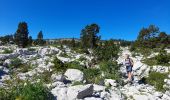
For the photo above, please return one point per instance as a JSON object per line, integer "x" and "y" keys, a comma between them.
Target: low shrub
{"x": 81, "y": 50}
{"x": 150, "y": 61}
{"x": 31, "y": 49}
{"x": 106, "y": 52}
{"x": 7, "y": 51}
{"x": 26, "y": 91}
{"x": 75, "y": 65}
{"x": 59, "y": 66}
{"x": 82, "y": 58}
{"x": 157, "y": 80}
{"x": 46, "y": 77}
{"x": 25, "y": 68}
{"x": 110, "y": 70}
{"x": 163, "y": 58}
{"x": 64, "y": 54}
{"x": 15, "y": 63}
{"x": 92, "y": 75}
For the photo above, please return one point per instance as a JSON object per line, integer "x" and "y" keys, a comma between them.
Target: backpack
{"x": 129, "y": 63}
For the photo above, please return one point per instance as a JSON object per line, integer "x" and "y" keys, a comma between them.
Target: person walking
{"x": 129, "y": 65}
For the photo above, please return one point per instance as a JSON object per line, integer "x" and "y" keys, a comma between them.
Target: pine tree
{"x": 89, "y": 36}
{"x": 21, "y": 35}
{"x": 30, "y": 40}
{"x": 73, "y": 43}
{"x": 40, "y": 40}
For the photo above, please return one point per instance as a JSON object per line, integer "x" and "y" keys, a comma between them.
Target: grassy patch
{"x": 59, "y": 66}
{"x": 110, "y": 70}
{"x": 92, "y": 75}
{"x": 31, "y": 49}
{"x": 7, "y": 51}
{"x": 157, "y": 80}
{"x": 26, "y": 91}
{"x": 15, "y": 63}
{"x": 161, "y": 59}
{"x": 77, "y": 83}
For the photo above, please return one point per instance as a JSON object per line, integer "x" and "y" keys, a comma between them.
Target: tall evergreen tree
{"x": 30, "y": 40}
{"x": 73, "y": 43}
{"x": 40, "y": 40}
{"x": 148, "y": 33}
{"x": 21, "y": 35}
{"x": 89, "y": 35}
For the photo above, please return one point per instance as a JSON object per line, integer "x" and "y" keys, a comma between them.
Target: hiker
{"x": 129, "y": 64}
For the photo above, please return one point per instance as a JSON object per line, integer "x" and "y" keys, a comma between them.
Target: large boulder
{"x": 79, "y": 91}
{"x": 60, "y": 93}
{"x": 46, "y": 51}
{"x": 25, "y": 51}
{"x": 140, "y": 97}
{"x": 92, "y": 98}
{"x": 74, "y": 75}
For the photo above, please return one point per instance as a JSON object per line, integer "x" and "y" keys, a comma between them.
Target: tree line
{"x": 21, "y": 37}
{"x": 151, "y": 37}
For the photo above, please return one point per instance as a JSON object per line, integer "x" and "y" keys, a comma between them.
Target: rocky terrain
{"x": 64, "y": 87}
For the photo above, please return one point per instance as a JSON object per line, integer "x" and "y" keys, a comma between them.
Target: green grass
{"x": 26, "y": 91}
{"x": 77, "y": 83}
{"x": 150, "y": 61}
{"x": 15, "y": 63}
{"x": 157, "y": 80}
{"x": 59, "y": 66}
{"x": 31, "y": 49}
{"x": 7, "y": 51}
{"x": 161, "y": 59}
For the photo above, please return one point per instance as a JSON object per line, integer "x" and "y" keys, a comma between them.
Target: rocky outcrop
{"x": 74, "y": 75}
{"x": 73, "y": 92}
{"x": 79, "y": 91}
{"x": 8, "y": 56}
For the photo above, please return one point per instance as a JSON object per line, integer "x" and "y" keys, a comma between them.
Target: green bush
{"x": 25, "y": 68}
{"x": 144, "y": 51}
{"x": 92, "y": 75}
{"x": 7, "y": 51}
{"x": 30, "y": 91}
{"x": 59, "y": 66}
{"x": 82, "y": 58}
{"x": 75, "y": 65}
{"x": 110, "y": 70}
{"x": 31, "y": 49}
{"x": 46, "y": 77}
{"x": 157, "y": 80}
{"x": 150, "y": 61}
{"x": 106, "y": 52}
{"x": 64, "y": 54}
{"x": 162, "y": 58}
{"x": 81, "y": 50}
{"x": 15, "y": 63}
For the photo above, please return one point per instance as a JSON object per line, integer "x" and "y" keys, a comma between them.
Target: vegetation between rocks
{"x": 157, "y": 80}
{"x": 26, "y": 91}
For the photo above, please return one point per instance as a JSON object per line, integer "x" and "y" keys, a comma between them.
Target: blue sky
{"x": 65, "y": 18}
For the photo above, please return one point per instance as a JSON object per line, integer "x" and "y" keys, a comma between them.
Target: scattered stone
{"x": 98, "y": 88}
{"x": 79, "y": 91}
{"x": 110, "y": 82}
{"x": 74, "y": 75}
